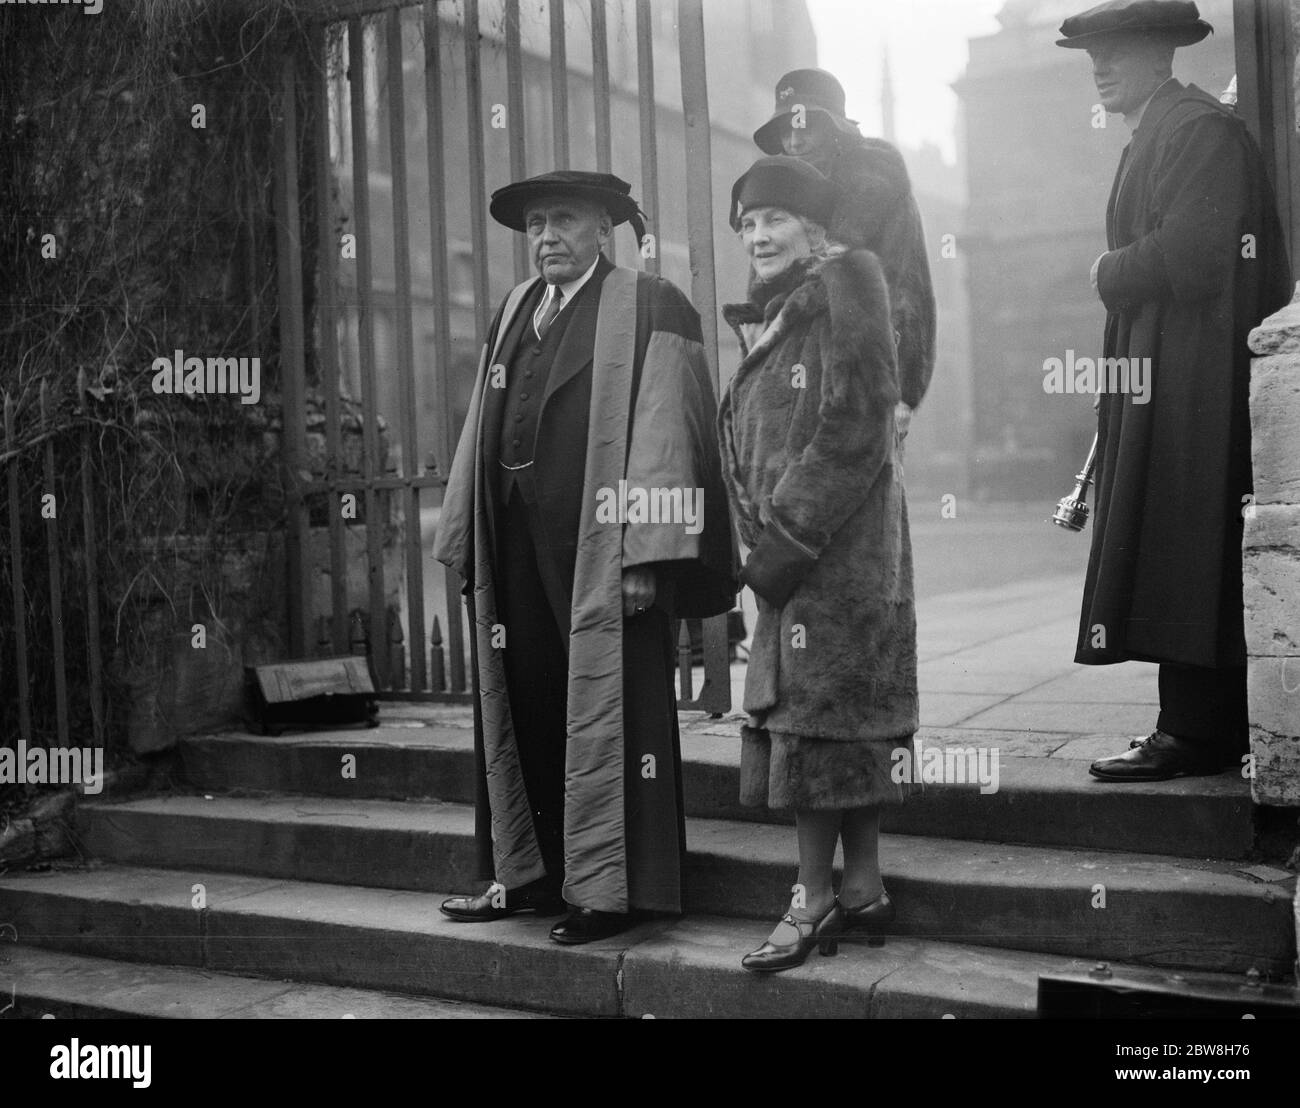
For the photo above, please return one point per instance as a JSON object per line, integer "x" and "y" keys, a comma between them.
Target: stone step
{"x": 41, "y": 983}
{"x": 388, "y": 940}
{"x": 1113, "y": 905}
{"x": 1046, "y": 801}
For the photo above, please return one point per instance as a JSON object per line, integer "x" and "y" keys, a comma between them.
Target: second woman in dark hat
{"x": 809, "y": 445}
{"x": 875, "y": 208}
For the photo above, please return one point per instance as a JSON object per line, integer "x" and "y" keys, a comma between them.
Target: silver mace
{"x": 1072, "y": 511}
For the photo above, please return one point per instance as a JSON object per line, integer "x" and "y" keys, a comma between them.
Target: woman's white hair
{"x": 823, "y": 246}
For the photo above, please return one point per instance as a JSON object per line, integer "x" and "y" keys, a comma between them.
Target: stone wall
{"x": 1271, "y": 559}
{"x": 237, "y": 593}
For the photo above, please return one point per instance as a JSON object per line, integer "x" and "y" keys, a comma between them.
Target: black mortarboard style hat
{"x": 510, "y": 202}
{"x": 1176, "y": 20}
{"x": 813, "y": 89}
{"x": 780, "y": 181}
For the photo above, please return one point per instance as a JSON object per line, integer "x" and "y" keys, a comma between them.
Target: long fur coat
{"x": 877, "y": 211}
{"x": 810, "y": 453}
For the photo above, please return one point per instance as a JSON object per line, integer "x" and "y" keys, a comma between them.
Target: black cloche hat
{"x": 1177, "y": 20}
{"x": 779, "y": 181}
{"x": 510, "y": 202}
{"x": 813, "y": 89}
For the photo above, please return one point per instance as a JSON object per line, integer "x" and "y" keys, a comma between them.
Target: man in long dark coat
{"x": 1195, "y": 259}
{"x": 585, "y": 511}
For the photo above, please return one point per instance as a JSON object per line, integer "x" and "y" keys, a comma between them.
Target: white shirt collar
{"x": 1134, "y": 118}
{"x": 569, "y": 288}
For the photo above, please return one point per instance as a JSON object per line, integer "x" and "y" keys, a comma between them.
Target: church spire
{"x": 887, "y": 131}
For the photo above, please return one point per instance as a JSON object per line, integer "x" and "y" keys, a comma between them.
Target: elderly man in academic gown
{"x": 1194, "y": 260}
{"x": 585, "y": 511}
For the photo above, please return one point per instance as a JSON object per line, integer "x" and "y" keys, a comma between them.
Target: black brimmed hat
{"x": 510, "y": 202}
{"x": 814, "y": 90}
{"x": 780, "y": 181}
{"x": 1178, "y": 21}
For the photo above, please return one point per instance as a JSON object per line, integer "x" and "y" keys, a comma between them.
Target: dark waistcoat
{"x": 528, "y": 362}
{"x": 553, "y": 431}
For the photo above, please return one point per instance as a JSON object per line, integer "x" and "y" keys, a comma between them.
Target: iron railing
{"x": 50, "y": 500}
{"x": 413, "y": 629}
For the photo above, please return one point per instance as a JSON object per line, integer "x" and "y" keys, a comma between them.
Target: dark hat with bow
{"x": 1177, "y": 21}
{"x": 814, "y": 90}
{"x": 780, "y": 181}
{"x": 510, "y": 203}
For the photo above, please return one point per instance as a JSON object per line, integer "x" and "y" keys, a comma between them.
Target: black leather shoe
{"x": 586, "y": 925}
{"x": 1159, "y": 757}
{"x": 870, "y": 921}
{"x": 823, "y": 934}
{"x": 540, "y": 897}
{"x": 1230, "y": 761}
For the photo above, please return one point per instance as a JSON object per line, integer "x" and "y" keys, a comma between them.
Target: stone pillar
{"x": 1271, "y": 559}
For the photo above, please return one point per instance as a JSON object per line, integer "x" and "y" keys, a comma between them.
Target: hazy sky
{"x": 927, "y": 52}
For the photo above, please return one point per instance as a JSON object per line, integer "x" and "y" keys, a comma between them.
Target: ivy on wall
{"x": 136, "y": 220}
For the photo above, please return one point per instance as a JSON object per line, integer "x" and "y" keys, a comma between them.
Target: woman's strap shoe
{"x": 871, "y": 920}
{"x": 823, "y": 934}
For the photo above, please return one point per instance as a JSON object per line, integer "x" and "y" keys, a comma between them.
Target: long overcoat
{"x": 810, "y": 451}
{"x": 630, "y": 402}
{"x": 877, "y": 211}
{"x": 1196, "y": 259}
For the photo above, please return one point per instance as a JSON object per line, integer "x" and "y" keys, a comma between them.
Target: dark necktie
{"x": 549, "y": 313}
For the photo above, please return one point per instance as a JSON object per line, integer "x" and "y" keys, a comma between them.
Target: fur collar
{"x": 800, "y": 281}
{"x": 849, "y": 287}
{"x": 768, "y": 295}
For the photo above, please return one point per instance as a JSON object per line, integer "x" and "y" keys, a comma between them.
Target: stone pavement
{"x": 998, "y": 592}
{"x": 996, "y": 666}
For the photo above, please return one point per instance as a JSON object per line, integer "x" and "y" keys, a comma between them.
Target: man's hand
{"x": 638, "y": 590}
{"x": 1092, "y": 276}
{"x": 902, "y": 420}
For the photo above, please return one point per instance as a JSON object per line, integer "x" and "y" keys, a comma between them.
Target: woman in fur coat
{"x": 810, "y": 454}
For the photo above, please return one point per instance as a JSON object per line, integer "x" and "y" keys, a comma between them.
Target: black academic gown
{"x": 1196, "y": 260}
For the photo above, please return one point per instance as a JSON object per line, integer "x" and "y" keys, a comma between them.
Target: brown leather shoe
{"x": 540, "y": 897}
{"x": 1159, "y": 757}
